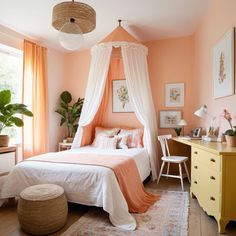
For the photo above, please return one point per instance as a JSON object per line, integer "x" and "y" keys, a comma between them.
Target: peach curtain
{"x": 35, "y": 97}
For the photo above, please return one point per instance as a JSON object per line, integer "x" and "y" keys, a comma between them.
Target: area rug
{"x": 167, "y": 217}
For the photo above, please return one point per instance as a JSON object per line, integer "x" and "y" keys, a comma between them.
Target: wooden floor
{"x": 200, "y": 224}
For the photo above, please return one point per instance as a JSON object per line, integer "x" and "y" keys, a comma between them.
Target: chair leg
{"x": 186, "y": 169}
{"x": 181, "y": 177}
{"x": 168, "y": 168}
{"x": 162, "y": 167}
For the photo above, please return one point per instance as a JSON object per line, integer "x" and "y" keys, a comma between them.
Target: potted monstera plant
{"x": 8, "y": 112}
{"x": 69, "y": 112}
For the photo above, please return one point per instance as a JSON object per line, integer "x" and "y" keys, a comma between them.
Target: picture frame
{"x": 170, "y": 119}
{"x": 197, "y": 132}
{"x": 223, "y": 66}
{"x": 121, "y": 101}
{"x": 174, "y": 95}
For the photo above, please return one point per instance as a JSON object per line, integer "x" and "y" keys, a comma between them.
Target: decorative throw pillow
{"x": 135, "y": 137}
{"x": 107, "y": 142}
{"x": 104, "y": 131}
{"x": 122, "y": 141}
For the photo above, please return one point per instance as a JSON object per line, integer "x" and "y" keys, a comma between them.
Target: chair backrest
{"x": 164, "y": 144}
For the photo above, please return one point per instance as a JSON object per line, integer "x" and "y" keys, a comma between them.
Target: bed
{"x": 83, "y": 184}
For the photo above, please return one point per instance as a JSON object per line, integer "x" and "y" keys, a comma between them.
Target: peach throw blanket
{"x": 125, "y": 169}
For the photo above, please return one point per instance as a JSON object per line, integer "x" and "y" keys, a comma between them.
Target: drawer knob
{"x": 195, "y": 152}
{"x": 212, "y": 177}
{"x": 196, "y": 167}
{"x": 212, "y": 160}
{"x": 212, "y": 199}
{"x": 195, "y": 182}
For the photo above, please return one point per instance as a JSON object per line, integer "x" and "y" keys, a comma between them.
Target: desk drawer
{"x": 208, "y": 159}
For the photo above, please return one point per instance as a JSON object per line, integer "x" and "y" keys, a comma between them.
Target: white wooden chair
{"x": 167, "y": 158}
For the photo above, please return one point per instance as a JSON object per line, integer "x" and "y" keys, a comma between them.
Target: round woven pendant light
{"x": 72, "y": 20}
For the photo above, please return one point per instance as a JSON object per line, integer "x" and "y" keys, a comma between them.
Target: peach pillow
{"x": 135, "y": 137}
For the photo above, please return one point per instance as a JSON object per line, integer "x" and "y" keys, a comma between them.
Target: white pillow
{"x": 106, "y": 142}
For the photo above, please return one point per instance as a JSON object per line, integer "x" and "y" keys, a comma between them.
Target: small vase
{"x": 230, "y": 140}
{"x": 69, "y": 140}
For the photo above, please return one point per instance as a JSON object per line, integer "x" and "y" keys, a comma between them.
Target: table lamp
{"x": 182, "y": 123}
{"x": 202, "y": 113}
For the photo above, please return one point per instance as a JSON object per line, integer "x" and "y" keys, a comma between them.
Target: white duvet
{"x": 84, "y": 184}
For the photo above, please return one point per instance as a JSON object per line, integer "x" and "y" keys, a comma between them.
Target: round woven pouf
{"x": 42, "y": 209}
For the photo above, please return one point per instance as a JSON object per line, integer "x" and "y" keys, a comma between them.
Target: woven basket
{"x": 42, "y": 209}
{"x": 83, "y": 14}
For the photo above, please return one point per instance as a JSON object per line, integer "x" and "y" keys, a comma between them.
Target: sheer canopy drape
{"x": 95, "y": 89}
{"x": 137, "y": 79}
{"x": 136, "y": 74}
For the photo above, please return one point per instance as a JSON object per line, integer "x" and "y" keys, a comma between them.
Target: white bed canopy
{"x": 134, "y": 56}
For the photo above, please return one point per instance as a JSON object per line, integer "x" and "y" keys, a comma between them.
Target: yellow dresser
{"x": 213, "y": 179}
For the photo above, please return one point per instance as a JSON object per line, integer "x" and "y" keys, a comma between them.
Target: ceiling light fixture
{"x": 72, "y": 20}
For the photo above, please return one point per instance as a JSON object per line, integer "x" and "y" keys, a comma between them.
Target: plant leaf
{"x": 66, "y": 97}
{"x": 5, "y": 97}
{"x": 17, "y": 121}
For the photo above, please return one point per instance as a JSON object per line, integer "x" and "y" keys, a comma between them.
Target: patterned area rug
{"x": 167, "y": 217}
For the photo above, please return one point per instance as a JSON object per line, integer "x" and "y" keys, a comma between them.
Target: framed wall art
{"x": 121, "y": 101}
{"x": 223, "y": 66}
{"x": 169, "y": 119}
{"x": 174, "y": 95}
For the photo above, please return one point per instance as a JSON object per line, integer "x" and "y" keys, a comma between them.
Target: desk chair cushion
{"x": 174, "y": 159}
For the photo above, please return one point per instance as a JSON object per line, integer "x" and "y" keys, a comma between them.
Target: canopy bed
{"x": 95, "y": 184}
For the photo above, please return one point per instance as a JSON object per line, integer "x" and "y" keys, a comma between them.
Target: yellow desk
{"x": 213, "y": 179}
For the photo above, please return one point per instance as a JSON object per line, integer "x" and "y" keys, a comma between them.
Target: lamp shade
{"x": 182, "y": 122}
{"x": 201, "y": 112}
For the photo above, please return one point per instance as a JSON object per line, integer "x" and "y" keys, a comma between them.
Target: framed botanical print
{"x": 121, "y": 101}
{"x": 223, "y": 66}
{"x": 169, "y": 119}
{"x": 174, "y": 95}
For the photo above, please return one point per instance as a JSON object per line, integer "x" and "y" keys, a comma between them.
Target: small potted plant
{"x": 8, "y": 116}
{"x": 70, "y": 112}
{"x": 178, "y": 130}
{"x": 230, "y": 134}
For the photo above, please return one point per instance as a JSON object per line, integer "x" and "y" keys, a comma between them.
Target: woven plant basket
{"x": 42, "y": 209}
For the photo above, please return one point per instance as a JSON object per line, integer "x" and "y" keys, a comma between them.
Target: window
{"x": 11, "y": 66}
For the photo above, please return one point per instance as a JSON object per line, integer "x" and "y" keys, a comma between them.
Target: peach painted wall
{"x": 219, "y": 18}
{"x": 170, "y": 61}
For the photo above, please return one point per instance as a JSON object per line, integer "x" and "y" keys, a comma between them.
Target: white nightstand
{"x": 8, "y": 159}
{"x": 64, "y": 146}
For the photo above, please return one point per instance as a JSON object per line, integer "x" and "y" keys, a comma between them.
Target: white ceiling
{"x": 145, "y": 19}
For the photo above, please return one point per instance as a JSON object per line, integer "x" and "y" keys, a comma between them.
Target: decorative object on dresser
{"x": 213, "y": 179}
{"x": 169, "y": 119}
{"x": 121, "y": 101}
{"x": 167, "y": 158}
{"x": 7, "y": 115}
{"x": 69, "y": 113}
{"x": 178, "y": 130}
{"x": 223, "y": 66}
{"x": 42, "y": 209}
{"x": 168, "y": 216}
{"x": 174, "y": 95}
{"x": 8, "y": 159}
{"x": 230, "y": 134}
